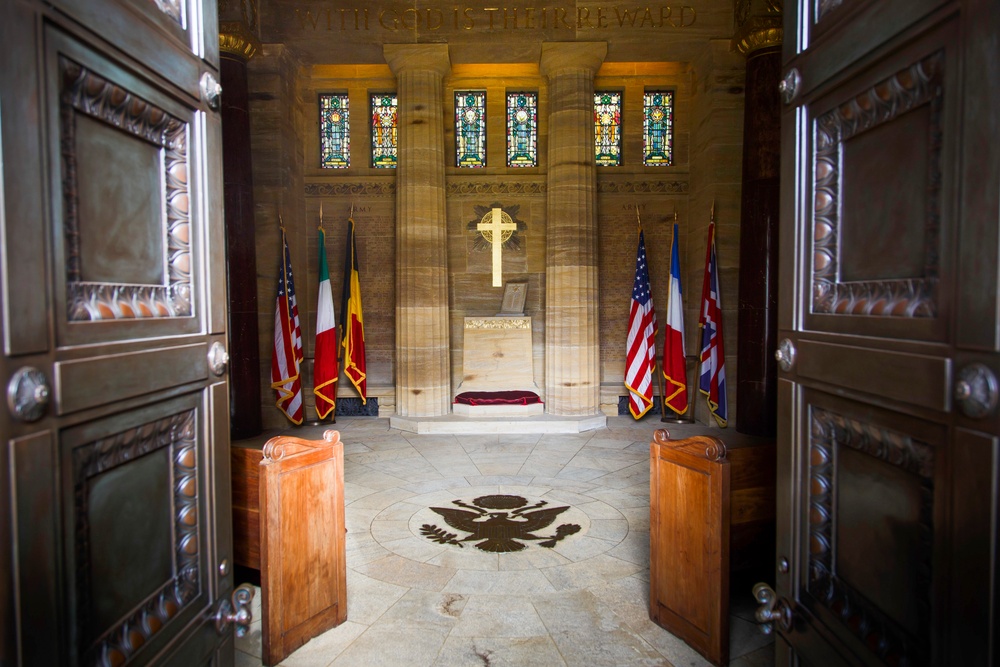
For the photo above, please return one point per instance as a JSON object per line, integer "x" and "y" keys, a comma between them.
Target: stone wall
{"x": 707, "y": 82}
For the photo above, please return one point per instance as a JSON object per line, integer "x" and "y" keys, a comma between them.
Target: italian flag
{"x": 325, "y": 370}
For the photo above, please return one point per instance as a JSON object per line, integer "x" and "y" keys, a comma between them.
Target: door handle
{"x": 235, "y": 610}
{"x": 773, "y": 609}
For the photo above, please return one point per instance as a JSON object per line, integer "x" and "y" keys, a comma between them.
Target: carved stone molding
{"x": 829, "y": 431}
{"x": 84, "y": 92}
{"x": 641, "y": 187}
{"x": 370, "y": 189}
{"x": 239, "y": 27}
{"x": 118, "y": 644}
{"x": 759, "y": 25}
{"x": 916, "y": 85}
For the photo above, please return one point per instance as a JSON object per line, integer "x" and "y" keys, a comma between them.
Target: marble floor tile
{"x": 416, "y": 599}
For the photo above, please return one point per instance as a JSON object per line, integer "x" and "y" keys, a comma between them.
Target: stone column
{"x": 572, "y": 350}
{"x": 423, "y": 375}
{"x": 237, "y": 44}
{"x": 759, "y": 39}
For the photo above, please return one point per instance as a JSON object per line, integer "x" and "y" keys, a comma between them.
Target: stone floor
{"x": 583, "y": 600}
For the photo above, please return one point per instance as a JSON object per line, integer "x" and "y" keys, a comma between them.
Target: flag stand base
{"x": 320, "y": 422}
{"x": 676, "y": 420}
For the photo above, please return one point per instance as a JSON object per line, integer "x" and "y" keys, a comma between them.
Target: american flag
{"x": 287, "y": 357}
{"x": 712, "y": 382}
{"x": 640, "y": 355}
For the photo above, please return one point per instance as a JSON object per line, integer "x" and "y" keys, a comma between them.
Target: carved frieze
{"x": 84, "y": 92}
{"x": 369, "y": 189}
{"x": 607, "y": 186}
{"x": 914, "y": 86}
{"x": 496, "y": 188}
{"x": 498, "y": 323}
{"x": 828, "y": 432}
{"x": 118, "y": 644}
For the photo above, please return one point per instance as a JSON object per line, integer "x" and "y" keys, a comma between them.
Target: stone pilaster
{"x": 572, "y": 299}
{"x": 423, "y": 378}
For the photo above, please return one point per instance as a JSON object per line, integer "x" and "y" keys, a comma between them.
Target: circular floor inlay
{"x": 499, "y": 523}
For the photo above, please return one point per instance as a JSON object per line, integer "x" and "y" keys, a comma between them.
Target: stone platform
{"x": 534, "y": 424}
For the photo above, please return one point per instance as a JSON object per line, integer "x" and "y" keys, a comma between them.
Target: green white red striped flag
{"x": 325, "y": 368}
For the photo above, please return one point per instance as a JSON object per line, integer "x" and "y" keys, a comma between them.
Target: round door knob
{"x": 785, "y": 355}
{"x": 976, "y": 391}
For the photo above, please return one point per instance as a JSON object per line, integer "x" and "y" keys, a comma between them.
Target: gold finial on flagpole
{"x": 351, "y": 216}
{"x": 638, "y": 220}
{"x": 320, "y": 216}
{"x": 713, "y": 210}
{"x": 281, "y": 223}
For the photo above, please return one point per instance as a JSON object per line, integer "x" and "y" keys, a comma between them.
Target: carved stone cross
{"x": 494, "y": 232}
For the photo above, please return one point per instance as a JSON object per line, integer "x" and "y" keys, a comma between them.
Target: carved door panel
{"x": 889, "y": 449}
{"x": 114, "y": 524}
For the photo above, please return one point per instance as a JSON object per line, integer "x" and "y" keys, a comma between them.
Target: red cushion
{"x": 498, "y": 398}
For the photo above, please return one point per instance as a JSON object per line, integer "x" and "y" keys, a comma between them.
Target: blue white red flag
{"x": 640, "y": 355}
{"x": 712, "y": 382}
{"x": 674, "y": 364}
{"x": 287, "y": 356}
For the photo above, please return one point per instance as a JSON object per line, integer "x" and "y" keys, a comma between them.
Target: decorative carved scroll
{"x": 117, "y": 645}
{"x": 278, "y": 447}
{"x": 880, "y": 633}
{"x": 907, "y": 89}
{"x": 705, "y": 446}
{"x": 90, "y": 94}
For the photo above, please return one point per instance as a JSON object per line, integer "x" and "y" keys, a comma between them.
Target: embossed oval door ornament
{"x": 27, "y": 394}
{"x": 789, "y": 86}
{"x": 499, "y": 524}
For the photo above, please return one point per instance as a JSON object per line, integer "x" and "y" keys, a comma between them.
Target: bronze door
{"x": 888, "y": 437}
{"x": 115, "y": 526}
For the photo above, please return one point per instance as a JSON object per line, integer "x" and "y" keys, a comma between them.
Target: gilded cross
{"x": 496, "y": 231}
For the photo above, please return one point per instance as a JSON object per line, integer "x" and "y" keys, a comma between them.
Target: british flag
{"x": 712, "y": 382}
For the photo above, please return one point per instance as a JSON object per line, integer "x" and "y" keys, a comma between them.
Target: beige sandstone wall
{"x": 694, "y": 61}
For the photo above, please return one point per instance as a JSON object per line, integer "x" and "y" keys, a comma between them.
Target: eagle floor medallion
{"x": 500, "y": 523}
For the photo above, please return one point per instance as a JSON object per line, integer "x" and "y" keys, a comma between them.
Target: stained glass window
{"x": 384, "y": 130}
{"x": 657, "y": 128}
{"x": 608, "y": 128}
{"x": 470, "y": 128}
{"x": 334, "y": 131}
{"x": 522, "y": 129}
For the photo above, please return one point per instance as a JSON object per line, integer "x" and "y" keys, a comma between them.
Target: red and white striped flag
{"x": 287, "y": 357}
{"x": 325, "y": 367}
{"x": 674, "y": 365}
{"x": 640, "y": 354}
{"x": 713, "y": 355}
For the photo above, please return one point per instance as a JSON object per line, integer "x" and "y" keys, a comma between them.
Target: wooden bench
{"x": 712, "y": 512}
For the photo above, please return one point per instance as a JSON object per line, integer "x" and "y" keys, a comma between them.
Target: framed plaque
{"x": 514, "y": 295}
